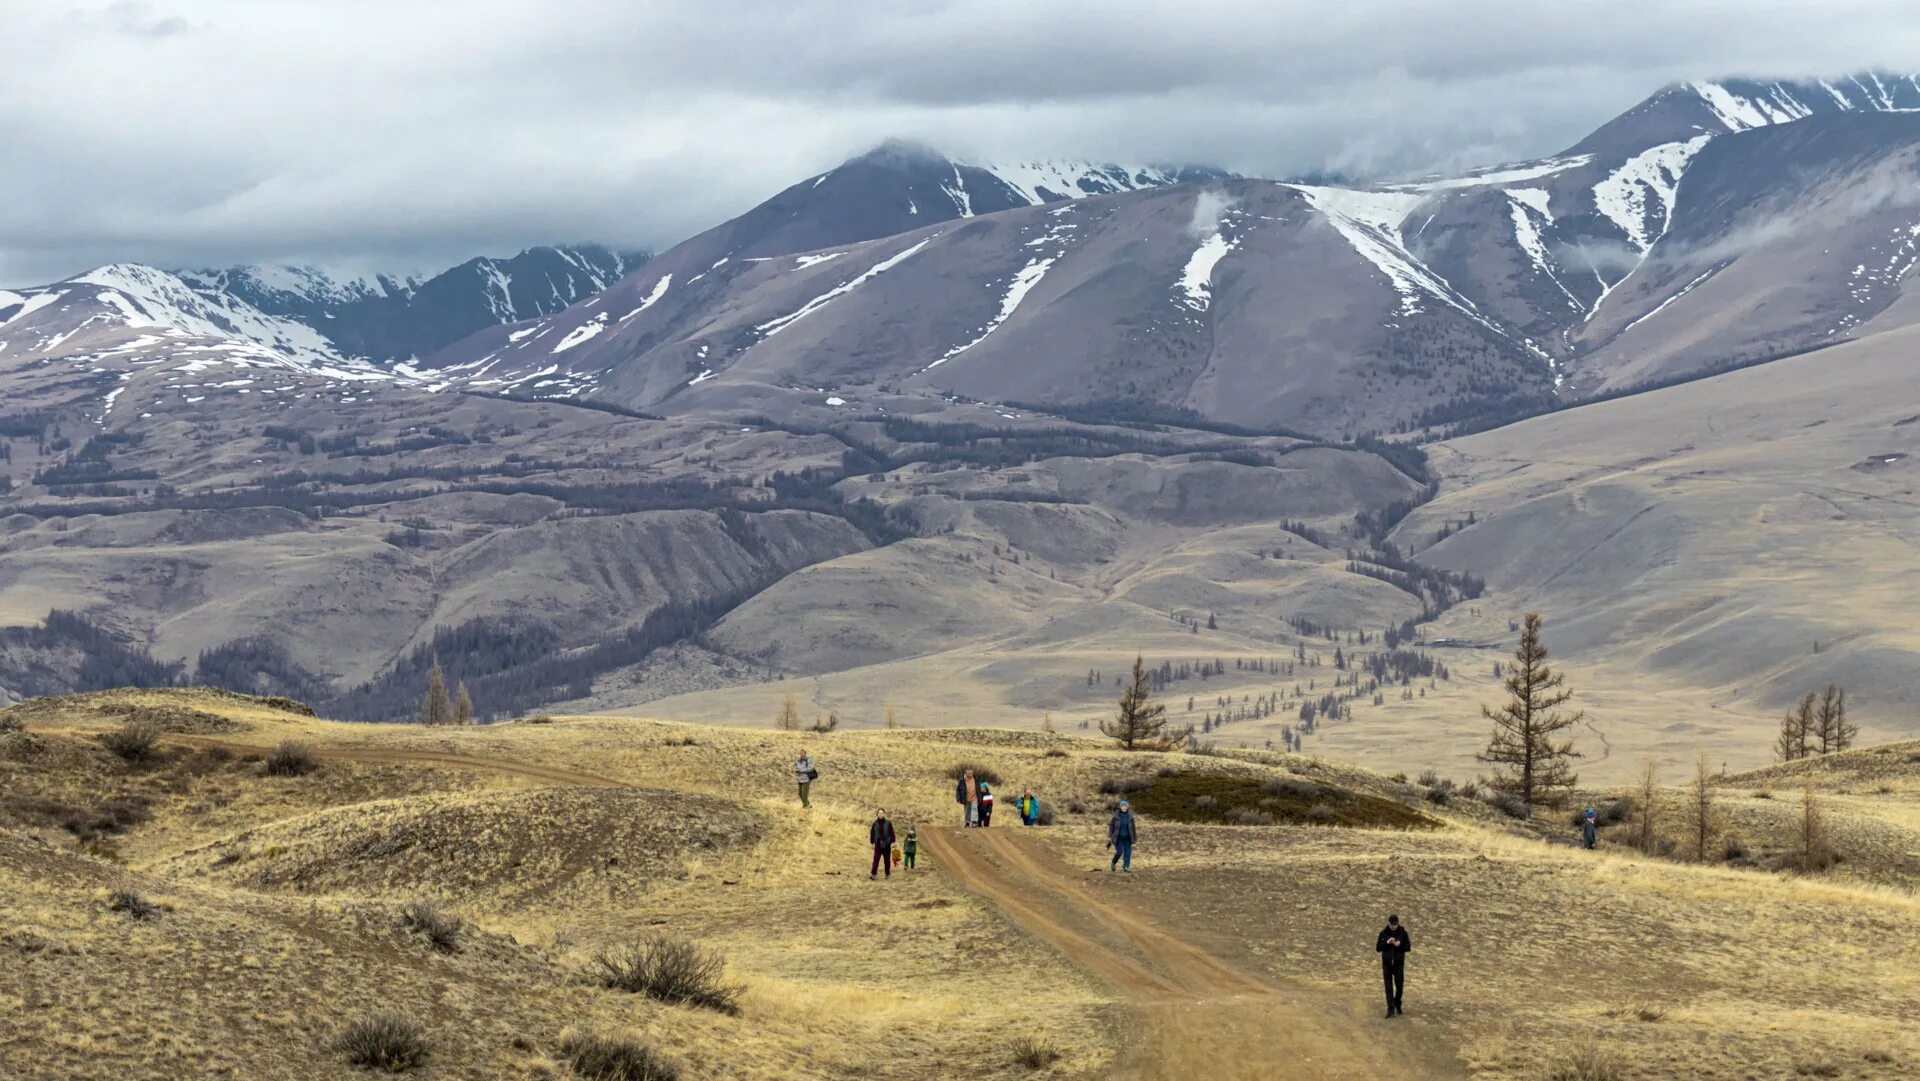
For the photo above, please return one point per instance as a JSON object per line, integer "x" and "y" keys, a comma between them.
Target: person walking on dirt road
{"x": 908, "y": 846}
{"x": 985, "y": 804}
{"x": 1393, "y": 944}
{"x": 1122, "y": 831}
{"x": 1029, "y": 808}
{"x": 880, "y": 835}
{"x": 1589, "y": 828}
{"x": 966, "y": 792}
{"x": 804, "y": 774}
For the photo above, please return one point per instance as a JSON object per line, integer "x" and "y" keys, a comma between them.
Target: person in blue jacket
{"x": 1122, "y": 831}
{"x": 1589, "y": 828}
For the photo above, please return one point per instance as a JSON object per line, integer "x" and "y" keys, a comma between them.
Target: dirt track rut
{"x": 1193, "y": 1014}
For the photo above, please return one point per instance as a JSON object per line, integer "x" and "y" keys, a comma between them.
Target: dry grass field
{"x": 277, "y": 908}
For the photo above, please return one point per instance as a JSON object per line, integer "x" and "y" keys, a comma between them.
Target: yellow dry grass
{"x": 1525, "y": 952}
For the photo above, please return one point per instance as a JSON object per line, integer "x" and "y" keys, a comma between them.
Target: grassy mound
{"x": 197, "y": 710}
{"x": 1234, "y": 799}
{"x": 508, "y": 847}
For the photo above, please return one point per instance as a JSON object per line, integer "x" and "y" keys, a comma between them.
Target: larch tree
{"x": 1702, "y": 816}
{"x": 462, "y": 706}
{"x": 1527, "y": 741}
{"x": 1141, "y": 724}
{"x": 1830, "y": 730}
{"x": 1647, "y": 809}
{"x": 1796, "y": 728}
{"x": 1813, "y": 854}
{"x": 436, "y": 708}
{"x": 788, "y": 719}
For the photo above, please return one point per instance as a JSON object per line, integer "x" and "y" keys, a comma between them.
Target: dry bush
{"x": 1590, "y": 1063}
{"x": 980, "y": 772}
{"x": 133, "y": 741}
{"x": 1291, "y": 788}
{"x": 9, "y": 723}
{"x": 1044, "y": 816}
{"x": 291, "y": 759}
{"x": 386, "y": 1041}
{"x": 1055, "y": 752}
{"x": 1428, "y": 779}
{"x": 1124, "y": 786}
{"x": 1509, "y": 804}
{"x": 670, "y": 970}
{"x": 1203, "y": 803}
{"x": 606, "y": 1058}
{"x": 1247, "y": 816}
{"x": 1320, "y": 814}
{"x": 1816, "y": 1068}
{"x": 133, "y": 904}
{"x": 440, "y": 929}
{"x": 1034, "y": 1051}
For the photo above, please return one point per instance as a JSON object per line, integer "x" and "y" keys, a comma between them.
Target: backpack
{"x": 813, "y": 774}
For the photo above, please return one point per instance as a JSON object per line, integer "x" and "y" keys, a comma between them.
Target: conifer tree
{"x": 436, "y": 708}
{"x": 1141, "y": 724}
{"x": 1796, "y": 732}
{"x": 788, "y": 719}
{"x": 1701, "y": 815}
{"x": 1525, "y": 740}
{"x": 462, "y": 706}
{"x": 1831, "y": 732}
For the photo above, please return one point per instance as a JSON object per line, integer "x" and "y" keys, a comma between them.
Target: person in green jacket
{"x": 908, "y": 846}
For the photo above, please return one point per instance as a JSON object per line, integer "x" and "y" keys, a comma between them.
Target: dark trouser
{"x": 1122, "y": 854}
{"x": 986, "y": 814}
{"x": 1393, "y": 972}
{"x": 804, "y": 786}
{"x": 907, "y": 859}
{"x": 882, "y": 857}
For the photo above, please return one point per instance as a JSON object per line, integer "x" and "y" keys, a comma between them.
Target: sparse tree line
{"x": 1817, "y": 726}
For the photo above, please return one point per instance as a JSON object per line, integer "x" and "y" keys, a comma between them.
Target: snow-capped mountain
{"x": 1325, "y": 308}
{"x": 390, "y": 318}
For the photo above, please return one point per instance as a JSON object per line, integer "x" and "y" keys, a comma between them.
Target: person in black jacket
{"x": 880, "y": 835}
{"x": 1393, "y": 944}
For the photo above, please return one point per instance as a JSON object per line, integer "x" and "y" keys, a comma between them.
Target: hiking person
{"x": 1029, "y": 808}
{"x": 986, "y": 805}
{"x": 909, "y": 846}
{"x": 1122, "y": 831}
{"x": 967, "y": 795}
{"x": 880, "y": 835}
{"x": 1589, "y": 828}
{"x": 1393, "y": 944}
{"x": 804, "y": 774}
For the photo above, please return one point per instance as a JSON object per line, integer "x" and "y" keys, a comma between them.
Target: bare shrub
{"x": 386, "y": 1041}
{"x": 1204, "y": 804}
{"x": 594, "y": 1057}
{"x": 1044, "y": 815}
{"x": 133, "y": 741}
{"x": 1320, "y": 814}
{"x": 1590, "y": 1063}
{"x": 1055, "y": 752}
{"x": 670, "y": 970}
{"x": 1247, "y": 816}
{"x": 291, "y": 759}
{"x": 1034, "y": 1051}
{"x": 1509, "y": 804}
{"x": 425, "y": 918}
{"x": 1291, "y": 788}
{"x": 1428, "y": 778}
{"x": 1075, "y": 807}
{"x": 980, "y": 772}
{"x": 133, "y": 904}
{"x": 1124, "y": 786}
{"x": 1816, "y": 1068}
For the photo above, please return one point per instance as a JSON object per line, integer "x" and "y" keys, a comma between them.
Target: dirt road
{"x": 1192, "y": 1014}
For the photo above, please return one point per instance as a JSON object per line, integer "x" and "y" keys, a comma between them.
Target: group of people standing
{"x": 975, "y": 796}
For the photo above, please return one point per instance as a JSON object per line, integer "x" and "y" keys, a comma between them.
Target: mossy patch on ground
{"x": 1238, "y": 800}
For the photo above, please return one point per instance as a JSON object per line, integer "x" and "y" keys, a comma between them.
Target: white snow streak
{"x": 1196, "y": 281}
{"x": 1647, "y": 181}
{"x": 1525, "y": 203}
{"x": 801, "y": 262}
{"x": 1662, "y": 306}
{"x": 1502, "y": 175}
{"x": 583, "y": 333}
{"x": 659, "y": 290}
{"x": 1023, "y": 282}
{"x": 775, "y": 326}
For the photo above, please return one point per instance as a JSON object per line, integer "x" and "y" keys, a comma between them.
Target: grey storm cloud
{"x": 407, "y": 134}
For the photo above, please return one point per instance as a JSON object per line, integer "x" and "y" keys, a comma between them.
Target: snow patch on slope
{"x": 583, "y": 333}
{"x": 1196, "y": 280}
{"x": 1526, "y": 205}
{"x": 775, "y": 326}
{"x": 1644, "y": 186}
{"x": 652, "y": 298}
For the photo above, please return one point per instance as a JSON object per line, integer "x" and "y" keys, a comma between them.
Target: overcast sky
{"x": 410, "y": 134}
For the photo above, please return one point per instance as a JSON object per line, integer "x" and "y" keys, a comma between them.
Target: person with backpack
{"x": 1029, "y": 809}
{"x": 880, "y": 835}
{"x": 804, "y": 774}
{"x": 1122, "y": 831}
{"x": 986, "y": 805}
{"x": 1393, "y": 945}
{"x": 1589, "y": 828}
{"x": 908, "y": 846}
{"x": 967, "y": 794}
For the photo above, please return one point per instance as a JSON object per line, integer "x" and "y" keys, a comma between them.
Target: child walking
{"x": 908, "y": 847}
